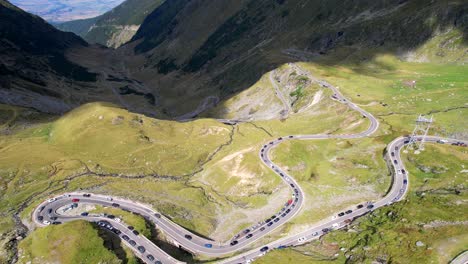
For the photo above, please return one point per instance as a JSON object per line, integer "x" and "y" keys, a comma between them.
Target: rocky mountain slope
{"x": 36, "y": 69}
{"x": 192, "y": 56}
{"x": 115, "y": 27}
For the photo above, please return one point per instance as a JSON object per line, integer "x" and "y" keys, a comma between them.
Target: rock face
{"x": 115, "y": 27}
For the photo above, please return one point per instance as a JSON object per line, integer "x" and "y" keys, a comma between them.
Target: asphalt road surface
{"x": 51, "y": 211}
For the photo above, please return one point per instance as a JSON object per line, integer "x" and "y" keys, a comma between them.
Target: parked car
{"x": 125, "y": 237}
{"x": 360, "y": 206}
{"x": 141, "y": 249}
{"x": 235, "y": 242}
{"x": 263, "y": 249}
{"x": 150, "y": 257}
{"x": 86, "y": 195}
{"x": 115, "y": 204}
{"x": 249, "y": 236}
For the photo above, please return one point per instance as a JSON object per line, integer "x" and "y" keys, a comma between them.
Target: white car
{"x": 301, "y": 239}
{"x": 46, "y": 222}
{"x": 52, "y": 200}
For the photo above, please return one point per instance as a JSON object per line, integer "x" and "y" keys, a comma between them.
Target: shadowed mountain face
{"x": 36, "y": 71}
{"x": 201, "y": 48}
{"x": 202, "y": 52}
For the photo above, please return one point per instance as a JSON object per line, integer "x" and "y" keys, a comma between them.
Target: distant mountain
{"x": 200, "y": 49}
{"x": 66, "y": 10}
{"x": 115, "y": 27}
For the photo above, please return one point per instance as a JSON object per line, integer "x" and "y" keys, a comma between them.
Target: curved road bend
{"x": 200, "y": 245}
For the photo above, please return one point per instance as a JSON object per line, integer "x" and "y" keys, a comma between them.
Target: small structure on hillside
{"x": 418, "y": 137}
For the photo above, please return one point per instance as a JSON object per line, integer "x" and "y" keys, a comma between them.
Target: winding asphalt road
{"x": 52, "y": 210}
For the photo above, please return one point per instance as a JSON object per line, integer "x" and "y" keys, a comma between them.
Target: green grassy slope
{"x": 433, "y": 213}
{"x": 80, "y": 245}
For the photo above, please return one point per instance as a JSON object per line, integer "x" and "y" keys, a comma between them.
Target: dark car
{"x": 395, "y": 161}
{"x": 130, "y": 227}
{"x": 157, "y": 215}
{"x": 246, "y": 231}
{"x": 111, "y": 216}
{"x": 341, "y": 214}
{"x": 158, "y": 262}
{"x": 403, "y": 171}
{"x": 360, "y": 206}
{"x": 270, "y": 224}
{"x": 84, "y": 214}
{"x": 277, "y": 219}
{"x": 291, "y": 136}
{"x": 235, "y": 242}
{"x": 136, "y": 233}
{"x": 150, "y": 257}
{"x": 296, "y": 190}
{"x": 115, "y": 204}
{"x": 132, "y": 242}
{"x": 296, "y": 200}
{"x": 49, "y": 211}
{"x": 86, "y": 195}
{"x": 280, "y": 138}
{"x": 56, "y": 223}
{"x": 325, "y": 230}
{"x": 292, "y": 185}
{"x": 268, "y": 220}
{"x": 287, "y": 211}
{"x": 349, "y": 211}
{"x": 249, "y": 236}
{"x": 141, "y": 249}
{"x": 53, "y": 218}
{"x": 189, "y": 237}
{"x": 283, "y": 215}
{"x": 370, "y": 206}
{"x": 40, "y": 218}
{"x": 393, "y": 154}
{"x": 405, "y": 181}
{"x": 125, "y": 237}
{"x": 116, "y": 231}
{"x": 41, "y": 209}
{"x": 262, "y": 228}
{"x": 263, "y": 249}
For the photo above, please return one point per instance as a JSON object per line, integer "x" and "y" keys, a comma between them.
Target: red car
{"x": 75, "y": 200}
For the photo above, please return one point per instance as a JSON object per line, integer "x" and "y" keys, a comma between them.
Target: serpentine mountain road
{"x": 51, "y": 211}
